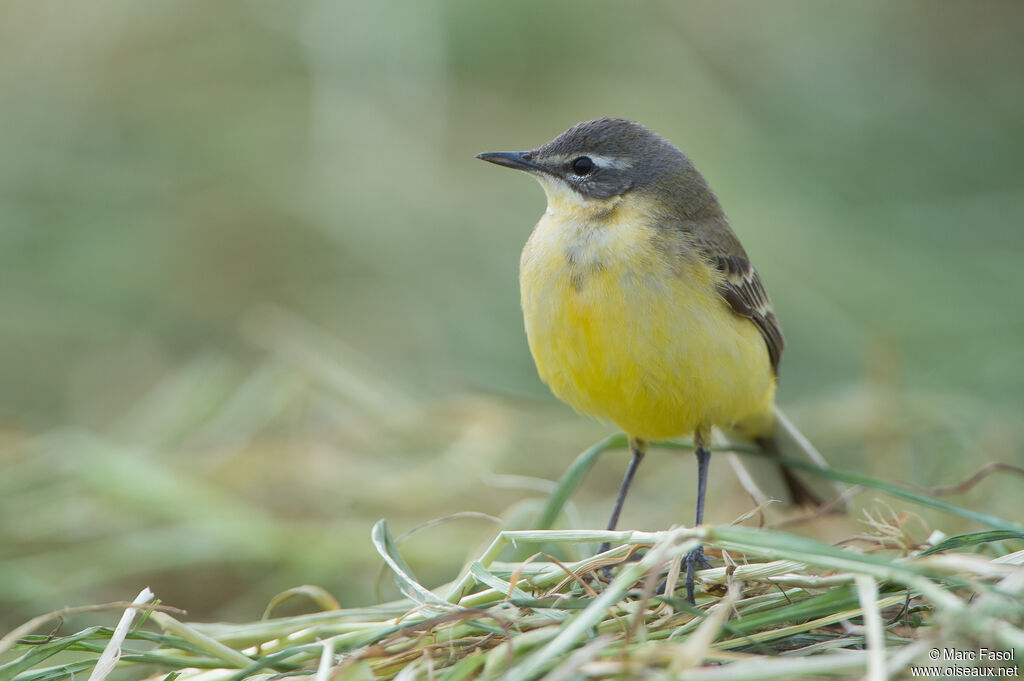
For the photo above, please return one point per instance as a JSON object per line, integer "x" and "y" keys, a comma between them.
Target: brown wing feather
{"x": 707, "y": 231}
{"x": 742, "y": 288}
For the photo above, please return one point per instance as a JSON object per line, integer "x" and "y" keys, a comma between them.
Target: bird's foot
{"x": 691, "y": 561}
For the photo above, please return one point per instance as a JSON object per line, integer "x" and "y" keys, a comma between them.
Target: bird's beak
{"x": 520, "y": 160}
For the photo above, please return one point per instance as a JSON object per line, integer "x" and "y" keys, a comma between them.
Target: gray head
{"x": 609, "y": 157}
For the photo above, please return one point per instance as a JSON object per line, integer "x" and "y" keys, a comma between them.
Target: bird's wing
{"x": 742, "y": 288}
{"x": 707, "y": 232}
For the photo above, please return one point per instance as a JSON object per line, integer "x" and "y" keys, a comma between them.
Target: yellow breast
{"x": 625, "y": 327}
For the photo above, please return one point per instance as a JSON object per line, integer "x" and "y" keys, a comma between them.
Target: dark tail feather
{"x": 799, "y": 493}
{"x": 764, "y": 480}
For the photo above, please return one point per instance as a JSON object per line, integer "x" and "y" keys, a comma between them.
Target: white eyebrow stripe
{"x": 599, "y": 161}
{"x": 609, "y": 162}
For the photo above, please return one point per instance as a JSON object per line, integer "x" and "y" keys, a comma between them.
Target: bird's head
{"x": 595, "y": 162}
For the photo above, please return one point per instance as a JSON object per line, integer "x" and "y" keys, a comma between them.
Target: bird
{"x": 641, "y": 306}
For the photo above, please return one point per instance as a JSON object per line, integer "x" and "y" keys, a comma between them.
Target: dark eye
{"x": 582, "y": 166}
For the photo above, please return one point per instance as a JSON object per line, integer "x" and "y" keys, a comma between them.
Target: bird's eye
{"x": 582, "y": 166}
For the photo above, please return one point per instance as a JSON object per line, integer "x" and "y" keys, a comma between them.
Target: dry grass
{"x": 781, "y": 605}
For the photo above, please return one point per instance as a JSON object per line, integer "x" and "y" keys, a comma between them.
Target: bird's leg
{"x": 696, "y": 557}
{"x": 637, "y": 447}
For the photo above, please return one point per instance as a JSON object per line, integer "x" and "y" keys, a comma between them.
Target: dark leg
{"x": 638, "y": 447}
{"x": 696, "y": 556}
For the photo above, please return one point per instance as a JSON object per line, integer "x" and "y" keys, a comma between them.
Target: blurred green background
{"x": 257, "y": 293}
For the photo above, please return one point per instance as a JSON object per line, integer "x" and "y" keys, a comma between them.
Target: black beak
{"x": 520, "y": 160}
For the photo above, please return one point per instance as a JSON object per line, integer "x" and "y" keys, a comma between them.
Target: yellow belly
{"x": 620, "y": 331}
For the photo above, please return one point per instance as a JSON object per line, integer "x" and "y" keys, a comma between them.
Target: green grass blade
{"x": 210, "y": 646}
{"x": 903, "y": 493}
{"x": 961, "y": 541}
{"x": 572, "y": 477}
{"x": 862, "y": 480}
{"x": 68, "y": 671}
{"x": 464, "y": 668}
{"x": 833, "y": 600}
{"x": 38, "y": 653}
{"x": 481, "y": 575}
{"x": 385, "y": 545}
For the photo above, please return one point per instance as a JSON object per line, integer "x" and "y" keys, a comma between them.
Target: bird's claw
{"x": 691, "y": 561}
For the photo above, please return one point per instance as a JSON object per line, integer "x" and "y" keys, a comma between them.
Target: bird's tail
{"x": 764, "y": 479}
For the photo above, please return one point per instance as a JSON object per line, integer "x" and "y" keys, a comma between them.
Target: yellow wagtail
{"x": 641, "y": 306}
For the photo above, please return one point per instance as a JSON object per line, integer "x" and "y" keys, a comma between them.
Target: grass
{"x": 781, "y": 605}
{"x": 254, "y": 156}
